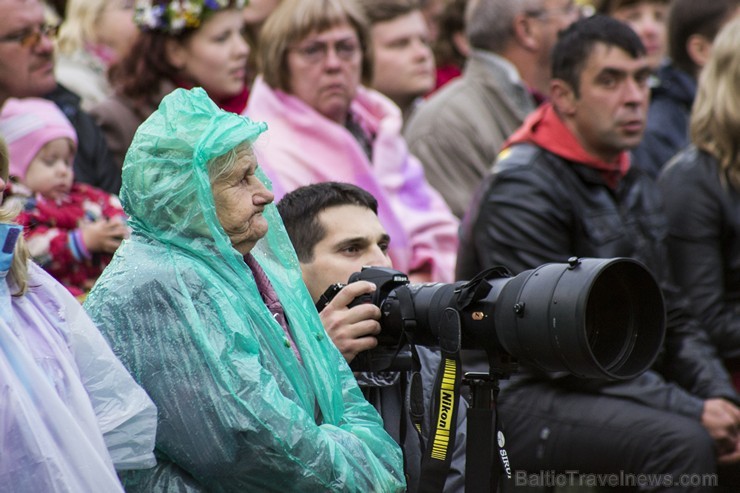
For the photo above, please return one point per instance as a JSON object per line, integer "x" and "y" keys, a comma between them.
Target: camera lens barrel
{"x": 599, "y": 318}
{"x": 602, "y": 318}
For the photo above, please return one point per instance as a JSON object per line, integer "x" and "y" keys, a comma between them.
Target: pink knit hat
{"x": 27, "y": 125}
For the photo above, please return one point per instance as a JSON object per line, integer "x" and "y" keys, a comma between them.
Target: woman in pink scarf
{"x": 324, "y": 126}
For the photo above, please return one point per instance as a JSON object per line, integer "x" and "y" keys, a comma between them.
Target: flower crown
{"x": 177, "y": 15}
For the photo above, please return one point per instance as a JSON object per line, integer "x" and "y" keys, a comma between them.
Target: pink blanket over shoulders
{"x": 302, "y": 147}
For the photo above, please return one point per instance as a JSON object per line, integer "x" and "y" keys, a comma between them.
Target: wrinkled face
{"x": 324, "y": 70}
{"x": 50, "y": 172}
{"x": 608, "y": 116}
{"x": 115, "y": 27}
{"x": 403, "y": 63}
{"x": 215, "y": 56}
{"x": 648, "y": 20}
{"x": 26, "y": 62}
{"x": 240, "y": 198}
{"x": 354, "y": 238}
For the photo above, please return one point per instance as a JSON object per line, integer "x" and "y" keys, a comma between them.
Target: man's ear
{"x": 175, "y": 53}
{"x": 525, "y": 32}
{"x": 563, "y": 97}
{"x": 461, "y": 43}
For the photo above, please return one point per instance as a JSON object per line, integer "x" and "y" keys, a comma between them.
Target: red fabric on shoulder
{"x": 544, "y": 128}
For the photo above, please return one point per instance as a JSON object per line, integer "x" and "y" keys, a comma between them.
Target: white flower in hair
{"x": 147, "y": 15}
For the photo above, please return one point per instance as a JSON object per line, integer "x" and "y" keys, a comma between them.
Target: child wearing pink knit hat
{"x": 71, "y": 228}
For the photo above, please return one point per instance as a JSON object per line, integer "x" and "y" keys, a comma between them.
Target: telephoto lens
{"x": 593, "y": 318}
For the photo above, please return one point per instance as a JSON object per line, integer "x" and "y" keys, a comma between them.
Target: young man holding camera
{"x": 336, "y": 232}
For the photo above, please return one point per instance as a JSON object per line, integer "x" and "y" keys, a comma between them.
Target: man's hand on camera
{"x": 721, "y": 419}
{"x": 352, "y": 330}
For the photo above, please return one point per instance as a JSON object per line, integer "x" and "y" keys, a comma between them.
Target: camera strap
{"x": 437, "y": 456}
{"x": 415, "y": 404}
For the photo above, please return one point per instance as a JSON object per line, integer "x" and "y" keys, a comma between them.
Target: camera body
{"x": 386, "y": 280}
{"x": 598, "y": 318}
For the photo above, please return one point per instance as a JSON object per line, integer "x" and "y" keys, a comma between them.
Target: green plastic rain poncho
{"x": 237, "y": 410}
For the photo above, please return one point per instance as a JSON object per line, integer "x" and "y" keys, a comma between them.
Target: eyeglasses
{"x": 32, "y": 36}
{"x": 317, "y": 52}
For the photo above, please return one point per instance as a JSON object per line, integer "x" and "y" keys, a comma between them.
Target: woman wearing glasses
{"x": 325, "y": 126}
{"x": 180, "y": 44}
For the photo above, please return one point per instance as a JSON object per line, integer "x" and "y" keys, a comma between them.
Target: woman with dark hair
{"x": 181, "y": 44}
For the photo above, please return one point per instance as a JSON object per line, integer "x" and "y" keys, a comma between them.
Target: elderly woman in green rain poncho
{"x": 205, "y": 306}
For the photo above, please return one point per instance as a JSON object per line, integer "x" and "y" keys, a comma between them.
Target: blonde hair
{"x": 18, "y": 274}
{"x": 715, "y": 117}
{"x": 79, "y": 24}
{"x": 293, "y": 20}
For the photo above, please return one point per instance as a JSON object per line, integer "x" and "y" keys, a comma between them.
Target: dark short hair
{"x": 300, "y": 211}
{"x": 690, "y": 17}
{"x": 387, "y": 10}
{"x": 576, "y": 43}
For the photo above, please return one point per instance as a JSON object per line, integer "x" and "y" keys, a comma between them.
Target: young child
{"x": 71, "y": 228}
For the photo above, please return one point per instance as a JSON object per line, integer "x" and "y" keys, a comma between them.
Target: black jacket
{"x": 93, "y": 164}
{"x": 704, "y": 243}
{"x": 537, "y": 208}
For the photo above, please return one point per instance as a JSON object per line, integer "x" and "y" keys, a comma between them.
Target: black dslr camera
{"x": 600, "y": 318}
{"x": 385, "y": 280}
